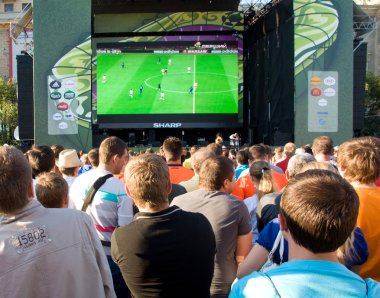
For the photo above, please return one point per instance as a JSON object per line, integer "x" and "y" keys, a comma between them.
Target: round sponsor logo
{"x": 55, "y": 84}
{"x": 330, "y": 92}
{"x": 63, "y": 125}
{"x": 316, "y": 92}
{"x": 322, "y": 102}
{"x": 329, "y": 81}
{"x": 57, "y": 116}
{"x": 69, "y": 84}
{"x": 55, "y": 95}
{"x": 69, "y": 94}
{"x": 69, "y": 117}
{"x": 315, "y": 81}
{"x": 62, "y": 106}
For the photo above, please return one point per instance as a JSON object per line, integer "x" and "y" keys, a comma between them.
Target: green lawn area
{"x": 215, "y": 74}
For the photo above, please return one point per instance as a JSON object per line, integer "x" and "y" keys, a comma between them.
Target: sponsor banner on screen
{"x": 323, "y": 101}
{"x": 62, "y": 106}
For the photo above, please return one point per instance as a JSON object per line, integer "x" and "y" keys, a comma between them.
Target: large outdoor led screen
{"x": 181, "y": 81}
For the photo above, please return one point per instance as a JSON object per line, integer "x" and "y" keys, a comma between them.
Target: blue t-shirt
{"x": 358, "y": 255}
{"x": 305, "y": 278}
{"x": 84, "y": 169}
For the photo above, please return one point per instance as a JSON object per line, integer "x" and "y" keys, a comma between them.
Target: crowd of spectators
{"x": 211, "y": 222}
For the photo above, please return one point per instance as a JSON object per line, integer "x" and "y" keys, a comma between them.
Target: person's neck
{"x": 105, "y": 167}
{"x": 297, "y": 252}
{"x": 67, "y": 176}
{"x": 322, "y": 157}
{"x": 222, "y": 189}
{"x": 357, "y": 184}
{"x": 149, "y": 209}
{"x": 174, "y": 162}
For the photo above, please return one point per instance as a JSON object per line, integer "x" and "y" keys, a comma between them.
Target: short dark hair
{"x": 307, "y": 148}
{"x": 172, "y": 147}
{"x": 242, "y": 157}
{"x": 110, "y": 147}
{"x": 68, "y": 171}
{"x": 323, "y": 145}
{"x": 217, "y": 148}
{"x": 268, "y": 150}
{"x": 57, "y": 149}
{"x": 93, "y": 156}
{"x": 51, "y": 190}
{"x": 214, "y": 171}
{"x": 258, "y": 152}
{"x": 41, "y": 159}
{"x": 15, "y": 178}
{"x": 320, "y": 209}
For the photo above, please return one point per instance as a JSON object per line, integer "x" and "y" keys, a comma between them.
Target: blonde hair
{"x": 277, "y": 154}
{"x": 360, "y": 159}
{"x": 214, "y": 171}
{"x": 261, "y": 173}
{"x": 289, "y": 149}
{"x": 148, "y": 181}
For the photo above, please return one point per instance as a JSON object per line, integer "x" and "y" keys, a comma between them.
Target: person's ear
{"x": 170, "y": 186}
{"x": 127, "y": 190}
{"x": 287, "y": 175}
{"x": 341, "y": 170}
{"x": 30, "y": 191}
{"x": 226, "y": 183}
{"x": 66, "y": 202}
{"x": 282, "y": 222}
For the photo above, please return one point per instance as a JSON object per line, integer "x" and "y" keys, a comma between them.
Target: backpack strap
{"x": 93, "y": 189}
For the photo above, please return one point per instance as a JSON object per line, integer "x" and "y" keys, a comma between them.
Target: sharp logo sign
{"x": 167, "y": 125}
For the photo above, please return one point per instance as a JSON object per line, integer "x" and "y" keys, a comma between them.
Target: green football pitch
{"x": 215, "y": 75}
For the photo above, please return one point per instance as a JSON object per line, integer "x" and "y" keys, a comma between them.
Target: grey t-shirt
{"x": 229, "y": 218}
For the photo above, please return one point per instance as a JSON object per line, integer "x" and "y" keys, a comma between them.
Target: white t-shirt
{"x": 111, "y": 206}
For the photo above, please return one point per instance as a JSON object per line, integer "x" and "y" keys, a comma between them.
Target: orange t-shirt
{"x": 245, "y": 188}
{"x": 368, "y": 221}
{"x": 178, "y": 173}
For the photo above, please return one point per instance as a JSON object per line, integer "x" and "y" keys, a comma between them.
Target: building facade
{"x": 10, "y": 12}
{"x": 372, "y": 8}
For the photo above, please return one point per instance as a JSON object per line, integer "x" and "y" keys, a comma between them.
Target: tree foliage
{"x": 8, "y": 110}
{"x": 372, "y": 106}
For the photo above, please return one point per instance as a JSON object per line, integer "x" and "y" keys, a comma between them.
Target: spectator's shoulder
{"x": 124, "y": 229}
{"x": 67, "y": 216}
{"x": 182, "y": 198}
{"x": 235, "y": 200}
{"x": 256, "y": 283}
{"x": 373, "y": 288}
